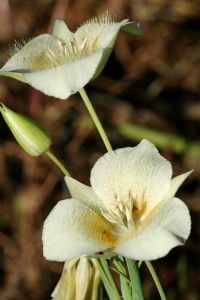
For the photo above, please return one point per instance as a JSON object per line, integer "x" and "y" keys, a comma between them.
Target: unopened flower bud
{"x": 30, "y": 135}
{"x": 80, "y": 280}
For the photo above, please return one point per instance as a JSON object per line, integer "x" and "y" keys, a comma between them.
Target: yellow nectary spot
{"x": 106, "y": 236}
{"x": 102, "y": 231}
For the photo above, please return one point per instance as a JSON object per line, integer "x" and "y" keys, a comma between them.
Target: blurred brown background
{"x": 149, "y": 88}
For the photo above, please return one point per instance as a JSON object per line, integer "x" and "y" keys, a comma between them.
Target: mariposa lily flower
{"x": 130, "y": 209}
{"x": 80, "y": 280}
{"x": 61, "y": 63}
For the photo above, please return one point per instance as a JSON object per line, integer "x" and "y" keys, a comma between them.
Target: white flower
{"x": 80, "y": 280}
{"x": 62, "y": 63}
{"x": 130, "y": 209}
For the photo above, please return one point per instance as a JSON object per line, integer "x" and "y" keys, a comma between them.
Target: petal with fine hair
{"x": 72, "y": 229}
{"x": 140, "y": 171}
{"x": 35, "y": 55}
{"x": 44, "y": 65}
{"x": 169, "y": 227}
{"x": 65, "y": 80}
{"x": 99, "y": 33}
{"x": 61, "y": 63}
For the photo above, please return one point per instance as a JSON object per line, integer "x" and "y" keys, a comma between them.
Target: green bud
{"x": 30, "y": 135}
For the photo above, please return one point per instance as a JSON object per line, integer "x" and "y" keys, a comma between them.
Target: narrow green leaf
{"x": 156, "y": 280}
{"x": 161, "y": 139}
{"x": 124, "y": 281}
{"x": 107, "y": 279}
{"x": 137, "y": 291}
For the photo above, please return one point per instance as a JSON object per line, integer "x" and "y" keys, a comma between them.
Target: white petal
{"x": 34, "y": 55}
{"x": 140, "y": 171}
{"x": 168, "y": 228}
{"x": 65, "y": 80}
{"x": 175, "y": 184}
{"x": 84, "y": 194}
{"x": 99, "y": 35}
{"x": 72, "y": 229}
{"x": 61, "y": 31}
{"x": 83, "y": 278}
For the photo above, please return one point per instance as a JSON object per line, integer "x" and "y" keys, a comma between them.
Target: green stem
{"x": 126, "y": 288}
{"x": 95, "y": 119}
{"x": 137, "y": 291}
{"x": 57, "y": 162}
{"x": 108, "y": 280}
{"x": 109, "y": 148}
{"x": 156, "y": 280}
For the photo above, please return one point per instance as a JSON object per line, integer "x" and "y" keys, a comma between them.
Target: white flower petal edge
{"x": 175, "y": 184}
{"x": 72, "y": 229}
{"x": 138, "y": 173}
{"x": 61, "y": 31}
{"x": 168, "y": 228}
{"x": 84, "y": 194}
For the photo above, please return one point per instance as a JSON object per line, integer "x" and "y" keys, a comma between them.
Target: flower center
{"x": 126, "y": 212}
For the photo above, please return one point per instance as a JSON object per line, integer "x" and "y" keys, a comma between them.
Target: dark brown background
{"x": 152, "y": 81}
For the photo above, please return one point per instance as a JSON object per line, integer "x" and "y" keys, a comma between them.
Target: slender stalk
{"x": 95, "y": 119}
{"x": 108, "y": 146}
{"x": 108, "y": 280}
{"x": 137, "y": 291}
{"x": 125, "y": 285}
{"x": 57, "y": 162}
{"x": 156, "y": 280}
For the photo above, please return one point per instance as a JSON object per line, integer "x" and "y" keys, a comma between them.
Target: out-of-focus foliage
{"x": 150, "y": 82}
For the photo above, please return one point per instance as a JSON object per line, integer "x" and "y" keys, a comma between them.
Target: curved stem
{"x": 57, "y": 162}
{"x": 156, "y": 280}
{"x": 95, "y": 119}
